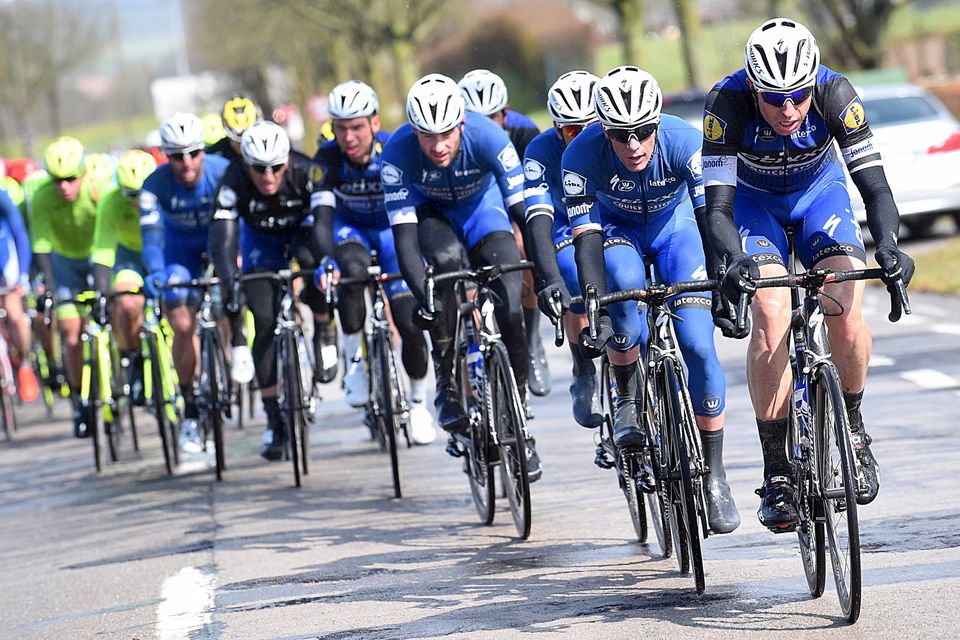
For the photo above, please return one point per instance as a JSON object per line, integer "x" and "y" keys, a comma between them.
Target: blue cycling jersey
{"x": 739, "y": 146}
{"x": 542, "y": 187}
{"x": 354, "y": 192}
{"x": 486, "y": 156}
{"x": 175, "y": 219}
{"x": 593, "y": 176}
{"x": 14, "y": 237}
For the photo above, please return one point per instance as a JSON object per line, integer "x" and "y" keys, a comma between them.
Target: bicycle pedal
{"x": 789, "y": 527}
{"x": 454, "y": 448}
{"x": 603, "y": 461}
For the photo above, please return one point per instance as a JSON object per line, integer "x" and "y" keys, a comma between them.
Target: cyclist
{"x": 117, "y": 259}
{"x": 213, "y": 131}
{"x": 449, "y": 179}
{"x": 99, "y": 166}
{"x": 15, "y": 256}
{"x": 484, "y": 92}
{"x": 263, "y": 215}
{"x": 769, "y": 162}
{"x": 638, "y": 178}
{"x": 176, "y": 208}
{"x": 570, "y": 103}
{"x": 239, "y": 112}
{"x": 63, "y": 214}
{"x": 352, "y": 218}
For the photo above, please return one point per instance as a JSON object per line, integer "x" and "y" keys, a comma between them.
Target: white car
{"x": 919, "y": 141}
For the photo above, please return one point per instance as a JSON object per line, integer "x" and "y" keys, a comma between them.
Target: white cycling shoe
{"x": 423, "y": 426}
{"x": 241, "y": 364}
{"x": 355, "y": 375}
{"x": 190, "y": 441}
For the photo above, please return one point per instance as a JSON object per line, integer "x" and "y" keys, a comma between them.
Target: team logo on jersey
{"x": 574, "y": 184}
{"x": 766, "y": 134}
{"x": 316, "y": 173}
{"x": 147, "y": 200}
{"x": 714, "y": 128}
{"x": 626, "y": 185}
{"x": 695, "y": 164}
{"x": 853, "y": 116}
{"x": 389, "y": 174}
{"x": 227, "y": 198}
{"x": 764, "y": 243}
{"x": 508, "y": 157}
{"x": 532, "y": 170}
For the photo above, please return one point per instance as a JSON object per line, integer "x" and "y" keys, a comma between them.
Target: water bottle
{"x": 474, "y": 364}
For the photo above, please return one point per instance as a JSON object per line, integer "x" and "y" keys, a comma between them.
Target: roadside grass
{"x": 939, "y": 270}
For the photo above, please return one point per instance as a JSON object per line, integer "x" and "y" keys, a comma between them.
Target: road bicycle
{"x": 497, "y": 433}
{"x": 161, "y": 384}
{"x": 826, "y": 472}
{"x": 669, "y": 470}
{"x": 387, "y": 407}
{"x": 295, "y": 385}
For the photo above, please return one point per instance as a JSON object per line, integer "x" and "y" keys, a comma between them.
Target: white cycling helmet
{"x": 181, "y": 133}
{"x": 781, "y": 55}
{"x": 265, "y": 143}
{"x": 434, "y": 104}
{"x": 352, "y": 99}
{"x": 483, "y": 92}
{"x": 627, "y": 97}
{"x": 570, "y": 99}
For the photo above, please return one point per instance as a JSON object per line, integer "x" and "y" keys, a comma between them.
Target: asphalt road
{"x": 132, "y": 553}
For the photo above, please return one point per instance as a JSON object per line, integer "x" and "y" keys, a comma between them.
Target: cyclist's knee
{"x": 627, "y": 326}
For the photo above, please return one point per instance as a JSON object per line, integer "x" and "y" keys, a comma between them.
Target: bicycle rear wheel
{"x": 508, "y": 419}
{"x": 7, "y": 415}
{"x": 158, "y": 404}
{"x": 478, "y": 465}
{"x": 89, "y": 393}
{"x": 839, "y": 489}
{"x": 810, "y": 524}
{"x": 382, "y": 353}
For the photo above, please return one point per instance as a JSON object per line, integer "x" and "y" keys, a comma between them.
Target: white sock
{"x": 351, "y": 346}
{"x": 418, "y": 390}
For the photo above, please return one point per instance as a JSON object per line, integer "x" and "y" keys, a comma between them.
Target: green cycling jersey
{"x": 118, "y": 223}
{"x": 61, "y": 227}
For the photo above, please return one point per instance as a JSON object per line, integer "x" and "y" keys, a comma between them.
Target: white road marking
{"x": 877, "y": 360}
{"x": 187, "y": 604}
{"x": 930, "y": 379}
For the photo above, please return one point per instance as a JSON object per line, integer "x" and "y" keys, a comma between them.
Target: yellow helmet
{"x": 213, "y": 131}
{"x": 239, "y": 112}
{"x": 134, "y": 167}
{"x": 99, "y": 166}
{"x": 64, "y": 157}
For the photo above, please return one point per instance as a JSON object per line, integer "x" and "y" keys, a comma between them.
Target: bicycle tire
{"x": 158, "y": 403}
{"x": 682, "y": 416}
{"x": 221, "y": 391}
{"x": 7, "y": 414}
{"x": 810, "y": 525}
{"x": 286, "y": 354}
{"x": 303, "y": 423}
{"x": 656, "y": 510}
{"x": 671, "y": 471}
{"x": 835, "y": 456}
{"x": 113, "y": 428}
{"x": 382, "y": 351}
{"x": 88, "y": 406}
{"x": 478, "y": 466}
{"x": 624, "y": 471}
{"x": 509, "y": 426}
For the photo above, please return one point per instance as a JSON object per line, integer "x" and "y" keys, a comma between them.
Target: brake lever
{"x": 556, "y": 300}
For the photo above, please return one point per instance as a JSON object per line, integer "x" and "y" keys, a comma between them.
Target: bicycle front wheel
{"x": 478, "y": 465}
{"x": 288, "y": 383}
{"x": 382, "y": 352}
{"x": 839, "y": 489}
{"x": 208, "y": 400}
{"x": 508, "y": 421}
{"x": 158, "y": 403}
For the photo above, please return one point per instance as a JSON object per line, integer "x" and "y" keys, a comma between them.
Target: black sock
{"x": 627, "y": 379}
{"x": 853, "y": 400}
{"x": 189, "y": 403}
{"x": 581, "y": 365}
{"x": 271, "y": 406}
{"x": 773, "y": 442}
{"x": 531, "y": 321}
{"x": 712, "y": 442}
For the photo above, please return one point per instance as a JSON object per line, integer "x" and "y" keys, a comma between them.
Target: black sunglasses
{"x": 67, "y": 179}
{"x": 778, "y": 99}
{"x": 262, "y": 168}
{"x": 178, "y": 156}
{"x": 641, "y": 133}
{"x": 130, "y": 193}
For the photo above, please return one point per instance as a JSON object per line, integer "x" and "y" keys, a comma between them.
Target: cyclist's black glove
{"x": 548, "y": 305}
{"x": 896, "y": 264}
{"x": 724, "y": 317}
{"x": 425, "y": 320}
{"x": 593, "y": 347}
{"x": 739, "y": 279}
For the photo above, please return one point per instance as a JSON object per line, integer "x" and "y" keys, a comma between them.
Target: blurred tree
{"x": 853, "y": 29}
{"x": 41, "y": 41}
{"x": 688, "y": 19}
{"x": 630, "y": 15}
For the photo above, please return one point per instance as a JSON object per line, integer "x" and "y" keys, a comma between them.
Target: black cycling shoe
{"x": 273, "y": 450}
{"x": 722, "y": 514}
{"x": 534, "y": 466}
{"x": 627, "y": 433}
{"x": 538, "y": 380}
{"x": 81, "y": 424}
{"x": 450, "y": 414}
{"x": 326, "y": 351}
{"x": 134, "y": 364}
{"x": 586, "y": 402}
{"x": 868, "y": 486}
{"x": 778, "y": 509}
